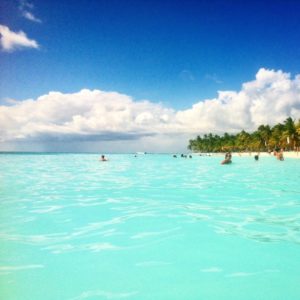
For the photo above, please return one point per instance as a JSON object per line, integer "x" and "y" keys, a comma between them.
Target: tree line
{"x": 284, "y": 135}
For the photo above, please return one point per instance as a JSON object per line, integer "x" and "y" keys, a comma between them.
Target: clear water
{"x": 151, "y": 227}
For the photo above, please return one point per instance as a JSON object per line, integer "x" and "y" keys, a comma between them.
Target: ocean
{"x": 150, "y": 227}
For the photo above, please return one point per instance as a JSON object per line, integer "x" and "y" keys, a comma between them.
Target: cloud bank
{"x": 10, "y": 40}
{"x": 94, "y": 115}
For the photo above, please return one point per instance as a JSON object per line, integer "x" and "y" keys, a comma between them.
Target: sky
{"x": 142, "y": 75}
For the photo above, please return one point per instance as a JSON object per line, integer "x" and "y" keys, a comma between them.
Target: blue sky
{"x": 175, "y": 52}
{"x": 171, "y": 53}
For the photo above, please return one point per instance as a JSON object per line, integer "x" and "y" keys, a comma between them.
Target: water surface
{"x": 151, "y": 227}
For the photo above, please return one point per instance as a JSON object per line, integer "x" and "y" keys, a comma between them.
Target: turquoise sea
{"x": 151, "y": 227}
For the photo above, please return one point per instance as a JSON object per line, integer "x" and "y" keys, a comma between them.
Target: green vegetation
{"x": 265, "y": 138}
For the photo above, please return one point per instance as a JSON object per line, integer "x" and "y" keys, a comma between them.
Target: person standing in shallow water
{"x": 103, "y": 158}
{"x": 279, "y": 155}
{"x": 227, "y": 159}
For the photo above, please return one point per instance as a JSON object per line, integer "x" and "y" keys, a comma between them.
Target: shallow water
{"x": 151, "y": 227}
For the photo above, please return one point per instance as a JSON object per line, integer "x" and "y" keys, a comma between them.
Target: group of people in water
{"x": 278, "y": 153}
{"x": 183, "y": 155}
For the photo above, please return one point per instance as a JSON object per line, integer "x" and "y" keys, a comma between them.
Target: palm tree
{"x": 264, "y": 132}
{"x": 298, "y": 127}
{"x": 243, "y": 140}
{"x": 285, "y": 135}
{"x": 276, "y": 136}
{"x": 290, "y": 133}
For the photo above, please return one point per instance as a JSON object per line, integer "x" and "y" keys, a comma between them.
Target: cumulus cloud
{"x": 94, "y": 115}
{"x": 270, "y": 98}
{"x": 83, "y": 115}
{"x": 10, "y": 40}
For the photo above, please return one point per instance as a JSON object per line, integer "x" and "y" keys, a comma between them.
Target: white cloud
{"x": 26, "y": 8}
{"x": 268, "y": 99}
{"x": 94, "y": 115}
{"x": 84, "y": 115}
{"x": 30, "y": 16}
{"x": 10, "y": 40}
{"x": 23, "y": 4}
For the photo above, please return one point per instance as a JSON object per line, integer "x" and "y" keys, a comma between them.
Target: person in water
{"x": 103, "y": 158}
{"x": 256, "y": 156}
{"x": 227, "y": 159}
{"x": 279, "y": 155}
{"x": 228, "y": 155}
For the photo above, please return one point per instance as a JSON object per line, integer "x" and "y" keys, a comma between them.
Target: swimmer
{"x": 279, "y": 155}
{"x": 103, "y": 158}
{"x": 256, "y": 156}
{"x": 227, "y": 159}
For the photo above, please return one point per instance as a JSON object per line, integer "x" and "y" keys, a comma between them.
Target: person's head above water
{"x": 103, "y": 158}
{"x": 228, "y": 155}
